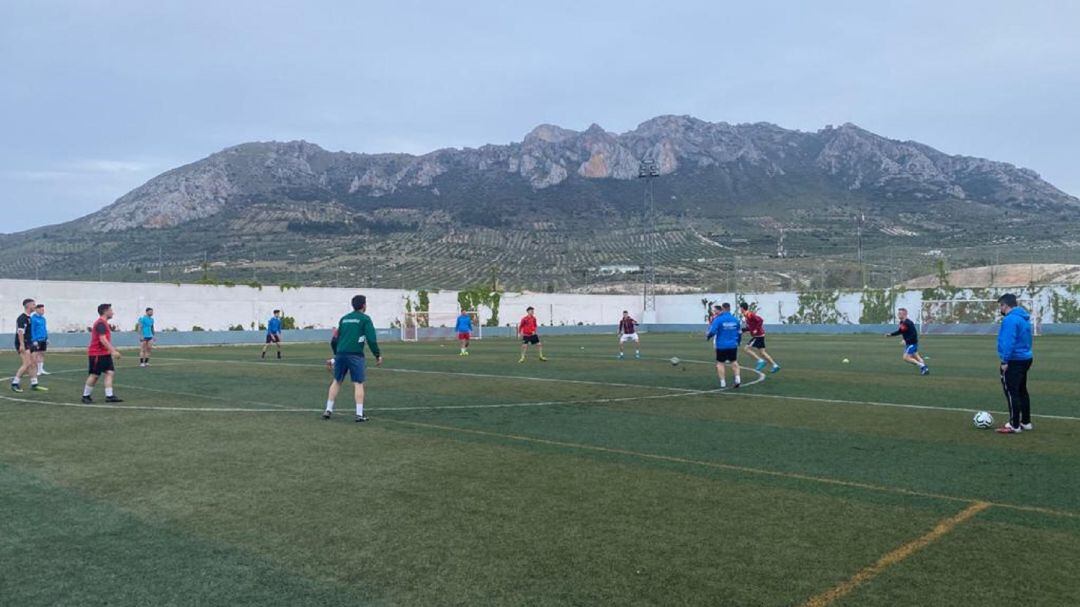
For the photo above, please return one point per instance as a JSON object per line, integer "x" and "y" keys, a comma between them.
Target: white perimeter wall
{"x": 72, "y": 306}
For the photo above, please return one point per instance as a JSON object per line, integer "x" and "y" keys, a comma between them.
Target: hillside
{"x": 557, "y": 210}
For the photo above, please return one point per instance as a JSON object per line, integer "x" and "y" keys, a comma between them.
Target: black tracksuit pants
{"x": 1014, "y": 383}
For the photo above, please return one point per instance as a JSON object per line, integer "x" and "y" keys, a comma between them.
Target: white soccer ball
{"x": 846, "y": 361}
{"x": 675, "y": 361}
{"x": 983, "y": 419}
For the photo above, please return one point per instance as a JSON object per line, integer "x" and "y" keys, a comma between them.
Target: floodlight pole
{"x": 649, "y": 170}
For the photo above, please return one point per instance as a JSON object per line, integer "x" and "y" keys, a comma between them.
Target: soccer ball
{"x": 846, "y": 361}
{"x": 983, "y": 419}
{"x": 675, "y": 361}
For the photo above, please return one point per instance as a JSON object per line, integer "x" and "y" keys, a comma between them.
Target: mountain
{"x": 561, "y": 208}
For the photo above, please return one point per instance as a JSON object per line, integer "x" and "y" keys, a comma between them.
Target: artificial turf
{"x": 583, "y": 480}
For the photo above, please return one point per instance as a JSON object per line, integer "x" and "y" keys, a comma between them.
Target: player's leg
{"x": 109, "y": 395}
{"x": 277, "y": 342}
{"x": 1012, "y": 397}
{"x": 1025, "y": 398}
{"x": 749, "y": 349}
{"x": 524, "y": 349}
{"x": 16, "y": 380}
{"x": 358, "y": 396}
{"x": 30, "y": 362}
{"x": 149, "y": 350}
{"x": 637, "y": 346}
{"x": 735, "y": 371}
{"x": 765, "y": 355}
{"x": 91, "y": 381}
{"x": 265, "y": 346}
{"x": 721, "y": 374}
{"x": 331, "y": 394}
{"x": 540, "y": 347}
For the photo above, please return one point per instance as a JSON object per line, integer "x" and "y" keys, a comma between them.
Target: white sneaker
{"x": 1027, "y": 427}
{"x": 44, "y": 372}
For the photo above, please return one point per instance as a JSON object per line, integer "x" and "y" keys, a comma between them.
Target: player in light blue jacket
{"x": 726, "y": 332}
{"x": 463, "y": 326}
{"x": 1014, "y": 353}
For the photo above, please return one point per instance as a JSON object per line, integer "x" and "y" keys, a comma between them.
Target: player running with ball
{"x": 755, "y": 326}
{"x": 911, "y": 341}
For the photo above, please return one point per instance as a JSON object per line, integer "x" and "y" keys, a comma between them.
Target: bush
{"x": 236, "y": 327}
{"x": 197, "y": 328}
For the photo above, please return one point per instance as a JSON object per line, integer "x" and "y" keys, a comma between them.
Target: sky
{"x": 97, "y": 97}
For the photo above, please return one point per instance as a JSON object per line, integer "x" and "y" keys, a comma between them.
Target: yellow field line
{"x": 736, "y": 468}
{"x": 895, "y": 556}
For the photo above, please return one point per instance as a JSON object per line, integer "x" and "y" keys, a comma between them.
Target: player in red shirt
{"x": 101, "y": 353}
{"x": 527, "y": 331}
{"x": 755, "y": 326}
{"x": 628, "y": 332}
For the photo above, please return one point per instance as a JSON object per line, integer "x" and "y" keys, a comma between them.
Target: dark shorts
{"x": 273, "y": 338}
{"x": 758, "y": 342}
{"x": 530, "y": 339}
{"x": 353, "y": 364}
{"x": 146, "y": 339}
{"x": 727, "y": 356}
{"x": 39, "y": 346}
{"x": 101, "y": 364}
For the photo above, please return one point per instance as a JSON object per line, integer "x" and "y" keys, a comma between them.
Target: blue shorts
{"x": 353, "y": 364}
{"x": 911, "y": 349}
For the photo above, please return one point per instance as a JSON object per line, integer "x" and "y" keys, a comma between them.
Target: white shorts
{"x": 625, "y": 337}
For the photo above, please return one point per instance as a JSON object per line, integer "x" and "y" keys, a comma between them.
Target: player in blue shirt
{"x": 464, "y": 331}
{"x": 146, "y": 337}
{"x": 273, "y": 333}
{"x": 1014, "y": 352}
{"x": 39, "y": 337}
{"x": 726, "y": 331}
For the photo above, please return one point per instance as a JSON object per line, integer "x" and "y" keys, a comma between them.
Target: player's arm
{"x": 714, "y": 327}
{"x": 373, "y": 344}
{"x": 20, "y": 337}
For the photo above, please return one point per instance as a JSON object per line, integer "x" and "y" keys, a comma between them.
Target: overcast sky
{"x": 96, "y": 97}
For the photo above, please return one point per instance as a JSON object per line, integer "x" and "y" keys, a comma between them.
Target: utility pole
{"x": 858, "y": 231}
{"x": 649, "y": 170}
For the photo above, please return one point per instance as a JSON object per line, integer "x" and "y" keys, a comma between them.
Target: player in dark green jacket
{"x": 355, "y": 329}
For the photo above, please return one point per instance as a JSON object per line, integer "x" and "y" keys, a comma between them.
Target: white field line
{"x": 870, "y": 403}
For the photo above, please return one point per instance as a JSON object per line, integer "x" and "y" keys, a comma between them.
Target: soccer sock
{"x": 738, "y": 379}
{"x": 329, "y": 405}
{"x": 40, "y": 368}
{"x": 359, "y": 408}
{"x": 108, "y": 393}
{"x": 87, "y": 390}
{"x": 14, "y": 381}
{"x": 33, "y": 381}
{"x": 723, "y": 383}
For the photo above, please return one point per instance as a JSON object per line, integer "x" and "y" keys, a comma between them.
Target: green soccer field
{"x": 583, "y": 480}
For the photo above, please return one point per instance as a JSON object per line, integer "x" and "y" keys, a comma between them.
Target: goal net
{"x": 969, "y": 316}
{"x": 429, "y": 326}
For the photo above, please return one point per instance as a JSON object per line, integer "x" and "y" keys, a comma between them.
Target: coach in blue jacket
{"x": 726, "y": 330}
{"x": 1014, "y": 352}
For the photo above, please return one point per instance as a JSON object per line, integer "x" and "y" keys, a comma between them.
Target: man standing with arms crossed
{"x": 1014, "y": 353}
{"x": 39, "y": 338}
{"x": 354, "y": 330}
{"x": 28, "y": 363}
{"x": 527, "y": 332}
{"x": 146, "y": 337}
{"x": 101, "y": 354}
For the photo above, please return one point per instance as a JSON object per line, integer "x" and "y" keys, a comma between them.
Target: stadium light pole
{"x": 649, "y": 170}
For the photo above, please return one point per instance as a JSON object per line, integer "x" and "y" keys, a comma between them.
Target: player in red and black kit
{"x": 628, "y": 332}
{"x": 911, "y": 341}
{"x": 527, "y": 332}
{"x": 101, "y": 354}
{"x": 755, "y": 326}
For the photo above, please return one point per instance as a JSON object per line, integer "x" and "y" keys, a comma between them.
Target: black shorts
{"x": 530, "y": 339}
{"x": 758, "y": 342}
{"x": 273, "y": 338}
{"x": 39, "y": 346}
{"x": 146, "y": 339}
{"x": 101, "y": 364}
{"x": 727, "y": 356}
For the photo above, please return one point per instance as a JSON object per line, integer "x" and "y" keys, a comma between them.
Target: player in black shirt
{"x": 911, "y": 341}
{"x": 22, "y": 346}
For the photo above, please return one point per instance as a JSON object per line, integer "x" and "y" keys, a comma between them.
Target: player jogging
{"x": 911, "y": 341}
{"x": 146, "y": 337}
{"x": 755, "y": 326}
{"x": 527, "y": 331}
{"x": 726, "y": 332}
{"x": 463, "y": 326}
{"x": 39, "y": 338}
{"x": 101, "y": 354}
{"x": 273, "y": 333}
{"x": 354, "y": 330}
{"x": 28, "y": 364}
{"x": 628, "y": 332}
{"x": 1014, "y": 353}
